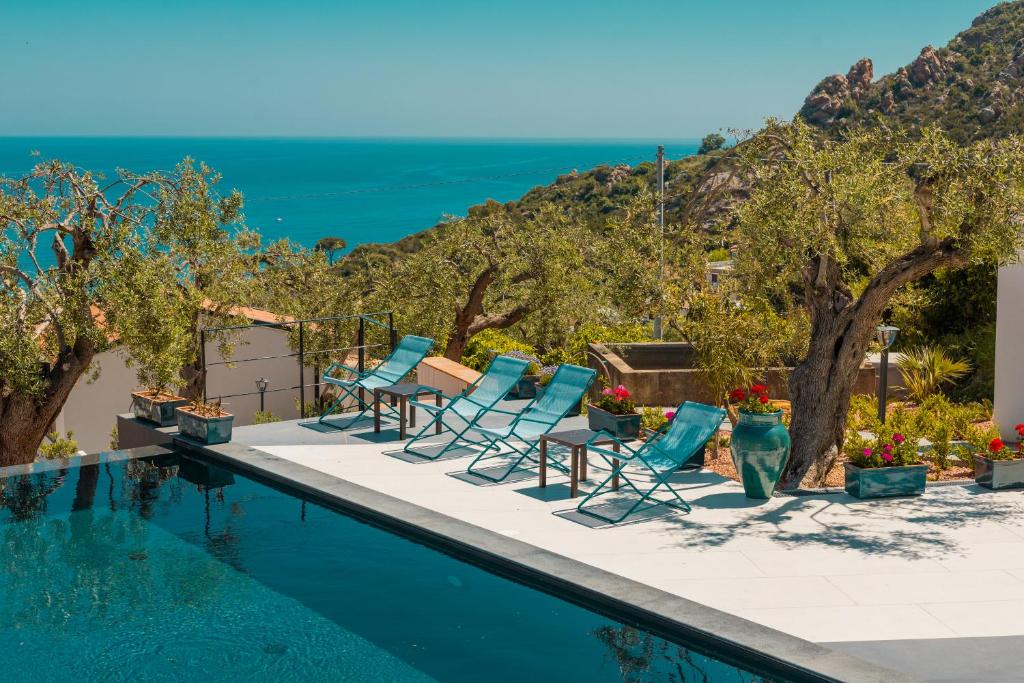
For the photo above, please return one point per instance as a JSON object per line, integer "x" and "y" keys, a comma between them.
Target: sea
{"x": 362, "y": 190}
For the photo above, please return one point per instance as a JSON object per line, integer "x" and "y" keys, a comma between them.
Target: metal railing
{"x": 382, "y": 319}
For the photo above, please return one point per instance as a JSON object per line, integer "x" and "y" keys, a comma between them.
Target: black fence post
{"x": 202, "y": 359}
{"x": 302, "y": 371}
{"x": 361, "y": 343}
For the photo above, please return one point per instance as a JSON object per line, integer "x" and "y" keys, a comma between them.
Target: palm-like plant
{"x": 925, "y": 370}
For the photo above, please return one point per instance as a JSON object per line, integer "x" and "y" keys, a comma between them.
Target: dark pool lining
{"x": 723, "y": 636}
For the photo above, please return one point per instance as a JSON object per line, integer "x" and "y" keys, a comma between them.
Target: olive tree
{"x": 840, "y": 225}
{"x": 85, "y": 266}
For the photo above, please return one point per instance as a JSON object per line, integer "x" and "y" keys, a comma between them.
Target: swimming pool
{"x": 170, "y": 568}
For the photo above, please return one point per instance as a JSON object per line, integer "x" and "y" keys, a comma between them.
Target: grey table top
{"x": 576, "y": 437}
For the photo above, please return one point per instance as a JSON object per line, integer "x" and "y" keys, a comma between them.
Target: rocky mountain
{"x": 973, "y": 87}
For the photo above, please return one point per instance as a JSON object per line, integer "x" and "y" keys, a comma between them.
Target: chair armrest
{"x": 341, "y": 366}
{"x": 604, "y": 436}
{"x": 609, "y": 453}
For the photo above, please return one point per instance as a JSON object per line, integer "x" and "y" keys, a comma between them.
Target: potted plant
{"x": 545, "y": 375}
{"x": 527, "y": 386}
{"x": 205, "y": 422}
{"x": 156, "y": 403}
{"x": 614, "y": 412}
{"x": 760, "y": 442}
{"x": 1002, "y": 467}
{"x": 884, "y": 465}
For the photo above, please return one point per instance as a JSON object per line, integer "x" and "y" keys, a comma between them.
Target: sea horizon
{"x": 362, "y": 189}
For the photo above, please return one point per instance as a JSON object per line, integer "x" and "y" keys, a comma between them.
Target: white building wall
{"x": 92, "y": 408}
{"x": 1009, "y": 380}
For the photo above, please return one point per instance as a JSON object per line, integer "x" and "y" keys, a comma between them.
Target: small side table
{"x": 403, "y": 392}
{"x": 576, "y": 441}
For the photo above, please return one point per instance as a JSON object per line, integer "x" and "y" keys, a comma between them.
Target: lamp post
{"x": 261, "y": 386}
{"x": 886, "y": 337}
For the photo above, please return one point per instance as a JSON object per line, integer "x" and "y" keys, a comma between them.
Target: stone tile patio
{"x": 827, "y": 568}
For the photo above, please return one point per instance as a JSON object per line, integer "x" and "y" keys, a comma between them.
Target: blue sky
{"x": 524, "y": 68}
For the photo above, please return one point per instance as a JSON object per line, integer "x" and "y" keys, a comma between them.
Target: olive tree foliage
{"x": 490, "y": 270}
{"x": 59, "y": 225}
{"x": 838, "y": 227}
{"x": 89, "y": 264}
{"x": 196, "y": 268}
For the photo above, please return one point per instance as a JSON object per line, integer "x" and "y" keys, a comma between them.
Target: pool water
{"x": 173, "y": 569}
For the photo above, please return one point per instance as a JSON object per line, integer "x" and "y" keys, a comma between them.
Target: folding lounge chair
{"x": 462, "y": 411}
{"x": 521, "y": 436}
{"x": 661, "y": 457}
{"x": 403, "y": 360}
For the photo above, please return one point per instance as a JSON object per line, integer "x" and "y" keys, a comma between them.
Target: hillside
{"x": 973, "y": 87}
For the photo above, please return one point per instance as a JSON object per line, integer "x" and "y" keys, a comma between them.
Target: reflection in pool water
{"x": 174, "y": 569}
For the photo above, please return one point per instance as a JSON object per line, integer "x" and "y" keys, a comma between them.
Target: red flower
{"x": 670, "y": 415}
{"x": 1020, "y": 429}
{"x": 621, "y": 393}
{"x": 737, "y": 395}
{"x": 898, "y": 438}
{"x": 759, "y": 389}
{"x": 996, "y": 445}
{"x": 763, "y": 398}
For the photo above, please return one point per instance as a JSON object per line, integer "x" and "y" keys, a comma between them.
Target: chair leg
{"x": 522, "y": 455}
{"x": 644, "y": 496}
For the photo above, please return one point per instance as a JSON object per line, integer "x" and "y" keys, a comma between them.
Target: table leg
{"x": 376, "y": 411}
{"x": 437, "y": 423}
{"x": 412, "y": 415}
{"x": 574, "y": 476}
{"x": 403, "y": 407}
{"x": 615, "y": 468}
{"x": 543, "y": 462}
{"x": 583, "y": 463}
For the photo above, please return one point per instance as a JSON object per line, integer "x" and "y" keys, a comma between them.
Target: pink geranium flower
{"x": 670, "y": 415}
{"x": 868, "y": 452}
{"x": 887, "y": 456}
{"x": 898, "y": 438}
{"x": 607, "y": 391}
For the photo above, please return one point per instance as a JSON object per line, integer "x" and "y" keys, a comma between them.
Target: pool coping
{"x": 661, "y": 612}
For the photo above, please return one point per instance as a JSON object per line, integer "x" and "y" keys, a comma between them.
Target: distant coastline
{"x": 361, "y": 189}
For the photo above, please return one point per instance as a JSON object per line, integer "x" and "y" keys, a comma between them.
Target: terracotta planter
{"x": 760, "y": 449}
{"x": 621, "y": 426}
{"x": 207, "y": 430}
{"x": 999, "y": 474}
{"x": 885, "y": 482}
{"x": 160, "y": 410}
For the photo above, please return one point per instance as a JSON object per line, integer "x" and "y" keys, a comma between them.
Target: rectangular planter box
{"x": 159, "y": 412}
{"x": 208, "y": 430}
{"x": 622, "y": 426}
{"x": 526, "y": 388}
{"x": 884, "y": 482}
{"x": 998, "y": 474}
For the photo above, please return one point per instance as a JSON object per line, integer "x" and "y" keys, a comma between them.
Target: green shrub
{"x": 652, "y": 418}
{"x": 262, "y": 417}
{"x": 57, "y": 446}
{"x": 863, "y": 414}
{"x": 927, "y": 369}
{"x": 720, "y": 254}
{"x": 483, "y": 346}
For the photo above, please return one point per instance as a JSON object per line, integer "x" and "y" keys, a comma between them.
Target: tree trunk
{"x": 25, "y": 420}
{"x": 470, "y": 318}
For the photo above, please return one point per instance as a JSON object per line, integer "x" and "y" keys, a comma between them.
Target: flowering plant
{"x": 754, "y": 401}
{"x": 546, "y": 373}
{"x": 887, "y": 449}
{"x": 998, "y": 450}
{"x": 617, "y": 401}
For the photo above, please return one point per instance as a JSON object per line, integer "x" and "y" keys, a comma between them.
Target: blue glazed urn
{"x": 760, "y": 450}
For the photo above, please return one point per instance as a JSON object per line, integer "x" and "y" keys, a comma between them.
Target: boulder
{"x": 927, "y": 68}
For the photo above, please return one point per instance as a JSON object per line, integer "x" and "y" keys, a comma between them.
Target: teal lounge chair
{"x": 522, "y": 435}
{"x": 392, "y": 370}
{"x": 462, "y": 411}
{"x": 661, "y": 456}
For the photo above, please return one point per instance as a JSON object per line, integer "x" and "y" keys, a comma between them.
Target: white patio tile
{"x": 905, "y": 589}
{"x": 980, "y": 618}
{"x": 851, "y": 623}
{"x": 730, "y": 594}
{"x": 834, "y": 562}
